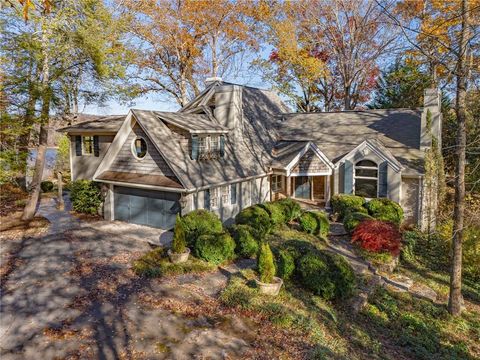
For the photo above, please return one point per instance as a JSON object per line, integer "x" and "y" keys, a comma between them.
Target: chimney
{"x": 228, "y": 105}
{"x": 431, "y": 123}
{"x": 209, "y": 81}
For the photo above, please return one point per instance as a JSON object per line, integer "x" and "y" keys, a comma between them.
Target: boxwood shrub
{"x": 256, "y": 217}
{"x": 246, "y": 245}
{"x": 314, "y": 222}
{"x": 198, "y": 223}
{"x": 327, "y": 275}
{"x": 275, "y": 211}
{"x": 291, "y": 209}
{"x": 285, "y": 263}
{"x": 341, "y": 203}
{"x": 266, "y": 266}
{"x": 386, "y": 210}
{"x": 215, "y": 248}
{"x": 352, "y": 219}
{"x": 86, "y": 197}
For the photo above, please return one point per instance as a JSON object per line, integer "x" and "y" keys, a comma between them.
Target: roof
{"x": 338, "y": 133}
{"x": 110, "y": 123}
{"x": 135, "y": 178}
{"x": 247, "y": 157}
{"x": 194, "y": 123}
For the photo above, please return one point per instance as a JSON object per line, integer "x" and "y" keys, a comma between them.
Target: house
{"x": 234, "y": 146}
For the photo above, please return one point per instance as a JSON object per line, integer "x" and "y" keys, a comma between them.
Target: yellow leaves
{"x": 28, "y": 5}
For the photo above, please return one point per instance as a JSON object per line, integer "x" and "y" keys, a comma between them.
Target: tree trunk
{"x": 455, "y": 301}
{"x": 347, "y": 100}
{"x": 61, "y": 205}
{"x": 30, "y": 207}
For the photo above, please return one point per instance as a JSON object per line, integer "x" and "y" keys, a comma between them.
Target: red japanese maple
{"x": 378, "y": 236}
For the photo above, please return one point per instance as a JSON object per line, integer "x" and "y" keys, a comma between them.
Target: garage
{"x": 145, "y": 207}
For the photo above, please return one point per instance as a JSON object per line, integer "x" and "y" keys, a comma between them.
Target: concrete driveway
{"x": 71, "y": 294}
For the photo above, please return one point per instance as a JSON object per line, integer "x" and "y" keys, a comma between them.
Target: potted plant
{"x": 179, "y": 252}
{"x": 268, "y": 284}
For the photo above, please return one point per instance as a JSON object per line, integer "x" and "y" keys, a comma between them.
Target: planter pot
{"x": 270, "y": 289}
{"x": 178, "y": 258}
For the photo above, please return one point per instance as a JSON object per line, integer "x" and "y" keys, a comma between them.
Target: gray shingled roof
{"x": 195, "y": 123}
{"x": 110, "y": 123}
{"x": 337, "y": 133}
{"x": 246, "y": 158}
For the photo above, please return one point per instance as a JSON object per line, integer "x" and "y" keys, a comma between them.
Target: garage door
{"x": 144, "y": 207}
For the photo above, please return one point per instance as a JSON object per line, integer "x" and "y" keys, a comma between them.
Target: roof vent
{"x": 211, "y": 80}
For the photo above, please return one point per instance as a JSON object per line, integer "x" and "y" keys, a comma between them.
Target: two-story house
{"x": 234, "y": 146}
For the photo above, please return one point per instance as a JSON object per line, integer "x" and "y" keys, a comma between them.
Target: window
{"x": 276, "y": 183}
{"x": 233, "y": 194}
{"x": 209, "y": 147}
{"x": 366, "y": 179}
{"x": 139, "y": 148}
{"x": 225, "y": 194}
{"x": 202, "y": 145}
{"x": 214, "y": 198}
{"x": 87, "y": 145}
{"x": 214, "y": 143}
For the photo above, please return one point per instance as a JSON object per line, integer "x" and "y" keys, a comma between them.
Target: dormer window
{"x": 206, "y": 147}
{"x": 139, "y": 148}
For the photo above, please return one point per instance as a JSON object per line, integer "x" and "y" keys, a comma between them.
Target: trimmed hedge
{"x": 215, "y": 248}
{"x": 285, "y": 263}
{"x": 386, "y": 210}
{"x": 276, "y": 212}
{"x": 246, "y": 245}
{"x": 256, "y": 217}
{"x": 352, "y": 219}
{"x": 179, "y": 244}
{"x": 198, "y": 223}
{"x": 291, "y": 209}
{"x": 266, "y": 267}
{"x": 341, "y": 203}
{"x": 46, "y": 186}
{"x": 315, "y": 222}
{"x": 86, "y": 197}
{"x": 327, "y": 275}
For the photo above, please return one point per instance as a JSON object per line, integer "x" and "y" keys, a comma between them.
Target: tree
{"x": 179, "y": 43}
{"x": 447, "y": 28}
{"x": 74, "y": 35}
{"x": 402, "y": 85}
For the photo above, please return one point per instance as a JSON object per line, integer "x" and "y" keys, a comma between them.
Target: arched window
{"x": 366, "y": 179}
{"x": 139, "y": 148}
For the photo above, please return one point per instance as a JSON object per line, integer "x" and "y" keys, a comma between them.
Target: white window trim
{"x": 210, "y": 146}
{"x": 83, "y": 145}
{"x": 355, "y": 167}
{"x": 134, "y": 151}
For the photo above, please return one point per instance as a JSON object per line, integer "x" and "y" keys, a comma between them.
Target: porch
{"x": 313, "y": 190}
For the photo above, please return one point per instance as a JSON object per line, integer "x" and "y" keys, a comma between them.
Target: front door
{"x": 302, "y": 187}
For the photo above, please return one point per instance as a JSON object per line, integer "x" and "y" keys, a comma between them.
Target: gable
{"x": 310, "y": 163}
{"x": 152, "y": 164}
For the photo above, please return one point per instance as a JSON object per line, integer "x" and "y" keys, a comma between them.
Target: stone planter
{"x": 178, "y": 258}
{"x": 388, "y": 267}
{"x": 270, "y": 289}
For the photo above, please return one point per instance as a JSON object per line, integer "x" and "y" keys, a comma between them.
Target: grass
{"x": 156, "y": 263}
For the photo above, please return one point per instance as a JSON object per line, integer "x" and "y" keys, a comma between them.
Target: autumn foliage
{"x": 377, "y": 236}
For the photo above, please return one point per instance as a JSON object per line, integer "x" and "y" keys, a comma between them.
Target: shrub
{"x": 378, "y": 236}
{"x": 198, "y": 223}
{"x": 352, "y": 219}
{"x": 257, "y": 218}
{"x": 291, "y": 209}
{"x": 179, "y": 244}
{"x": 327, "y": 275}
{"x": 246, "y": 245}
{"x": 386, "y": 210}
{"x": 285, "y": 263}
{"x": 266, "y": 267}
{"x": 215, "y": 248}
{"x": 298, "y": 248}
{"x": 275, "y": 211}
{"x": 314, "y": 222}
{"x": 46, "y": 186}
{"x": 86, "y": 197}
{"x": 341, "y": 203}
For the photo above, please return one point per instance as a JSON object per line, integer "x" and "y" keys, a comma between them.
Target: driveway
{"x": 71, "y": 294}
